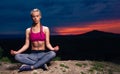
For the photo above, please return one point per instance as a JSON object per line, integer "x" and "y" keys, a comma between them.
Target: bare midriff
{"x": 38, "y": 45}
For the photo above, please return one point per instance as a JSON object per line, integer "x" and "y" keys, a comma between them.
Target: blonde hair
{"x": 35, "y": 10}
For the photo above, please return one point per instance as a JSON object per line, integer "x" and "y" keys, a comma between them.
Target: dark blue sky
{"x": 77, "y": 15}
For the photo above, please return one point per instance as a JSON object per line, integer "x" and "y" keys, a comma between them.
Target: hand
{"x": 13, "y": 52}
{"x": 56, "y": 48}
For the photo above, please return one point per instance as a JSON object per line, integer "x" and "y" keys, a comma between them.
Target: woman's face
{"x": 36, "y": 17}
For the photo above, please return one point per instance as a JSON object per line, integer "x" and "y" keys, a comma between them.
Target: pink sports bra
{"x": 40, "y": 36}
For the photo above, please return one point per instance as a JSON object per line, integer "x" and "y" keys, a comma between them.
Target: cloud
{"x": 61, "y": 12}
{"x": 105, "y": 25}
{"x": 57, "y": 12}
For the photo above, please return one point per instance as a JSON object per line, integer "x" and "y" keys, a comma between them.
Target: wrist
{"x": 52, "y": 49}
{"x": 17, "y": 52}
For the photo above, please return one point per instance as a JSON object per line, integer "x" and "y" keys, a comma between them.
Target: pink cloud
{"x": 104, "y": 25}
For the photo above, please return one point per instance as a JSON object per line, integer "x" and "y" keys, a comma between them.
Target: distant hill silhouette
{"x": 93, "y": 33}
{"x": 91, "y": 45}
{"x": 97, "y": 33}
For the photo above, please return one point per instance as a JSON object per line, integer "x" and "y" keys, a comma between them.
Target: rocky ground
{"x": 66, "y": 67}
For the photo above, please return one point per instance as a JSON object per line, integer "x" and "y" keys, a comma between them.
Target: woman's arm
{"x": 25, "y": 46}
{"x": 49, "y": 46}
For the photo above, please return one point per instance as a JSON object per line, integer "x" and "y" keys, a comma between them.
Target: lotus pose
{"x": 38, "y": 37}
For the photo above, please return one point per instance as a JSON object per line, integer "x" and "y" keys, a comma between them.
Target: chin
{"x": 36, "y": 22}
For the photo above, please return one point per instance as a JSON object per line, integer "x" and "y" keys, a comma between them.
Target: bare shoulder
{"x": 45, "y": 28}
{"x": 28, "y": 30}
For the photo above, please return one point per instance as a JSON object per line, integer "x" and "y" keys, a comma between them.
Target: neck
{"x": 36, "y": 24}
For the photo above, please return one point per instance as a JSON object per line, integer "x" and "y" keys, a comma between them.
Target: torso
{"x": 38, "y": 41}
{"x": 38, "y": 45}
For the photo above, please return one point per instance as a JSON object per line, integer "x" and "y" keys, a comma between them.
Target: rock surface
{"x": 63, "y": 67}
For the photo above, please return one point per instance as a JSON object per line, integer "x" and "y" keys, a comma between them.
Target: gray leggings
{"x": 36, "y": 58}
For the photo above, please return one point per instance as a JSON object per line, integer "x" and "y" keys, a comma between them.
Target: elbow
{"x": 48, "y": 45}
{"x": 26, "y": 46}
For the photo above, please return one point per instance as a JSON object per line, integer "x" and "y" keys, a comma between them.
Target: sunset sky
{"x": 63, "y": 17}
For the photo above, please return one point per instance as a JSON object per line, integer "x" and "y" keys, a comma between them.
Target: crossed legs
{"x": 35, "y": 60}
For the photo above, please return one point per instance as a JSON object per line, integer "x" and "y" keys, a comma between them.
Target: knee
{"x": 17, "y": 56}
{"x": 52, "y": 54}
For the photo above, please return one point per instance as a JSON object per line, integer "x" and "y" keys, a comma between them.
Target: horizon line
{"x": 53, "y": 33}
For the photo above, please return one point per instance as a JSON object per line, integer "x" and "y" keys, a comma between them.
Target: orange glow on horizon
{"x": 106, "y": 25}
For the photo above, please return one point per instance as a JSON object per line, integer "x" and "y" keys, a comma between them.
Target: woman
{"x": 38, "y": 36}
